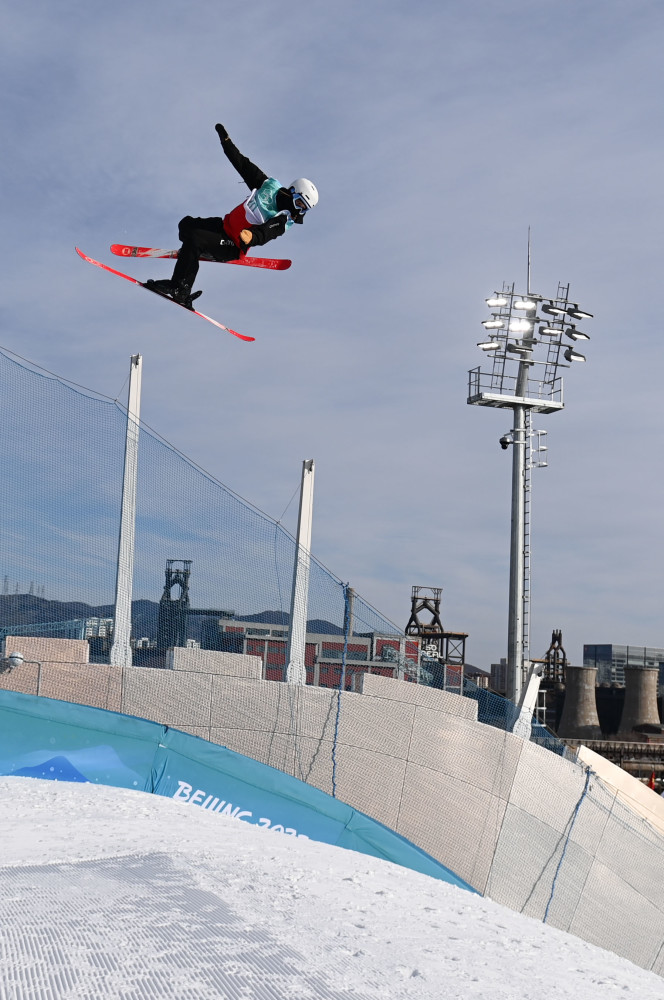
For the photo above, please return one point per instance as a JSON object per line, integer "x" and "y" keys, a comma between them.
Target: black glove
{"x": 221, "y": 132}
{"x": 263, "y": 232}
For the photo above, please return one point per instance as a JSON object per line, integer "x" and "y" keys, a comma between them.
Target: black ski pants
{"x": 201, "y": 237}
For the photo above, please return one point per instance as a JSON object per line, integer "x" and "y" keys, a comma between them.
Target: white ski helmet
{"x": 306, "y": 191}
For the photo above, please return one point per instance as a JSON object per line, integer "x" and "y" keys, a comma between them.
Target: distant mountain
{"x": 320, "y": 627}
{"x": 271, "y": 617}
{"x": 27, "y": 609}
{"x": 316, "y": 625}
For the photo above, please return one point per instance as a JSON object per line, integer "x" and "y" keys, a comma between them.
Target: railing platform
{"x": 490, "y": 389}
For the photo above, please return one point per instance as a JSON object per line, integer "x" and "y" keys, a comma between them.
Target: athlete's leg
{"x": 200, "y": 236}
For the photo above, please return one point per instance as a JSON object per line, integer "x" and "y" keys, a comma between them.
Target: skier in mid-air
{"x": 267, "y": 213}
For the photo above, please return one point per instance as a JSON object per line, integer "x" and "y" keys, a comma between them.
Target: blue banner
{"x": 61, "y": 741}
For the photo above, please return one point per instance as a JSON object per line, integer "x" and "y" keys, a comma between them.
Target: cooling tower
{"x": 579, "y": 719}
{"x": 640, "y": 707}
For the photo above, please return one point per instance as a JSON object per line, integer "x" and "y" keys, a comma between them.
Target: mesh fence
{"x": 63, "y": 451}
{"x": 494, "y": 710}
{"x": 205, "y": 559}
{"x": 210, "y": 569}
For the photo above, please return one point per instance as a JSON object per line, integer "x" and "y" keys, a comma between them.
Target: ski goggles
{"x": 299, "y": 203}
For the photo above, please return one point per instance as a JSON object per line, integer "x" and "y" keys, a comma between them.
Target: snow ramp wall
{"x": 56, "y": 740}
{"x": 524, "y": 826}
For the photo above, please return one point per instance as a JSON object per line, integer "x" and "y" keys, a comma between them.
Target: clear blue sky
{"x": 437, "y": 134}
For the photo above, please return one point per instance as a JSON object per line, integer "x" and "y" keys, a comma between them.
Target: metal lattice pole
{"x": 527, "y": 486}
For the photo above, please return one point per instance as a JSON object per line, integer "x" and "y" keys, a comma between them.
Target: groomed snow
{"x": 107, "y": 892}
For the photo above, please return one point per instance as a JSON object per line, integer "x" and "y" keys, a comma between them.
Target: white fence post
{"x": 121, "y": 648}
{"x": 296, "y": 672}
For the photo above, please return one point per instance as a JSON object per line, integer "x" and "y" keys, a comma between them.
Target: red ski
{"x": 140, "y": 284}
{"x": 272, "y": 263}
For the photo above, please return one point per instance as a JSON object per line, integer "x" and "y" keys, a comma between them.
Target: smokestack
{"x": 579, "y": 720}
{"x": 640, "y": 707}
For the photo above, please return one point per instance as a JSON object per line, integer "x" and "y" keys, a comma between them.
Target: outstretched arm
{"x": 263, "y": 232}
{"x": 252, "y": 175}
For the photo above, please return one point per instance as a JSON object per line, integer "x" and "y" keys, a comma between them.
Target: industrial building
{"x": 325, "y": 655}
{"x": 610, "y": 661}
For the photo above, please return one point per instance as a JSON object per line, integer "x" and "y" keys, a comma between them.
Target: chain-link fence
{"x": 209, "y": 567}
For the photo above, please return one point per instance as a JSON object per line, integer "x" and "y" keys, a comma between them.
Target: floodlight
{"x": 520, "y": 326}
{"x": 489, "y": 345}
{"x": 549, "y": 331}
{"x": 493, "y": 324}
{"x": 518, "y": 348}
{"x": 571, "y": 355}
{"x": 577, "y": 313}
{"x": 497, "y": 300}
{"x": 524, "y": 304}
{"x": 553, "y": 310}
{"x": 575, "y": 334}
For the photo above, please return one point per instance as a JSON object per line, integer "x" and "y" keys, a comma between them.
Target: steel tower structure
{"x": 526, "y": 342}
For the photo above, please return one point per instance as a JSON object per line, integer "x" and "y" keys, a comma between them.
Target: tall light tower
{"x": 527, "y": 345}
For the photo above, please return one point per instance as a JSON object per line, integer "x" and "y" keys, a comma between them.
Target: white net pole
{"x": 121, "y": 648}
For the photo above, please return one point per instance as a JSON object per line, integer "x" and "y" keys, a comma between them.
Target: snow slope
{"x": 107, "y": 892}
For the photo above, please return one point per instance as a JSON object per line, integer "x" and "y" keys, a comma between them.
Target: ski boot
{"x": 183, "y": 295}
{"x": 163, "y": 286}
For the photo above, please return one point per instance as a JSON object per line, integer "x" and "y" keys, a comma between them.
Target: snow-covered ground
{"x": 107, "y": 892}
